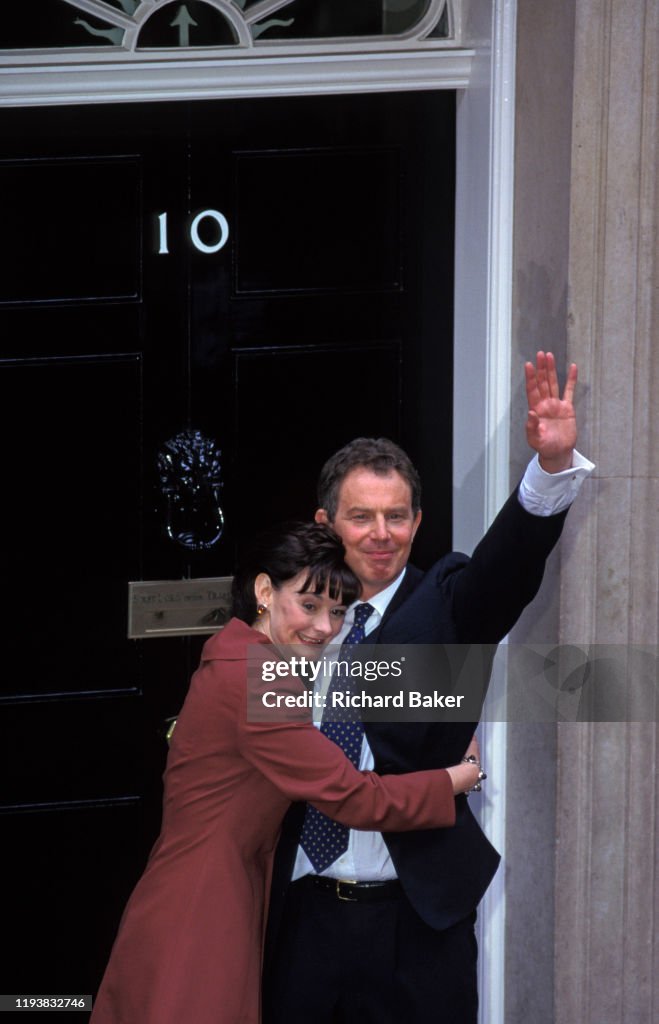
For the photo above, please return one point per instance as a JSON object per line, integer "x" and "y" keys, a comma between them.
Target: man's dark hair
{"x": 380, "y": 455}
{"x": 287, "y": 550}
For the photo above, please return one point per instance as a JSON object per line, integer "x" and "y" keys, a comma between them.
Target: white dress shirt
{"x": 367, "y": 857}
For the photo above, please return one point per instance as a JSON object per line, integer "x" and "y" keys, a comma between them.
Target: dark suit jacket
{"x": 460, "y": 600}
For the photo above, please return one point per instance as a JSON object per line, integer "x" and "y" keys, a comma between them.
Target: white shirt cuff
{"x": 546, "y": 494}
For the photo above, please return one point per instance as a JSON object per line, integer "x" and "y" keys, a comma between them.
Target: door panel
{"x": 312, "y": 382}
{"x": 71, "y": 524}
{"x": 325, "y": 315}
{"x": 330, "y": 237}
{"x": 54, "y": 232}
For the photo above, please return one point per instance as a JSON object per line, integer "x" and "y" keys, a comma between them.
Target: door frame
{"x": 482, "y": 70}
{"x": 482, "y": 366}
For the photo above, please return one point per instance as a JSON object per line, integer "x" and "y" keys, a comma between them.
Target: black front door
{"x": 249, "y": 284}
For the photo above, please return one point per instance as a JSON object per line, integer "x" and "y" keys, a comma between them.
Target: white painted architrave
{"x": 483, "y": 294}
{"x": 58, "y": 84}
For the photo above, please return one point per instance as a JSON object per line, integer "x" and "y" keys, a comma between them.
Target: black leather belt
{"x": 351, "y": 891}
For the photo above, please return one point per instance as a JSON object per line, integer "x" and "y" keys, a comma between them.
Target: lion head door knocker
{"x": 189, "y": 472}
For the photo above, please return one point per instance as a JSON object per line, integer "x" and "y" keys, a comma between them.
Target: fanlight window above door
{"x": 237, "y": 27}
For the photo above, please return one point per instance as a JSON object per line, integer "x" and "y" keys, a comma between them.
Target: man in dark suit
{"x": 384, "y": 933}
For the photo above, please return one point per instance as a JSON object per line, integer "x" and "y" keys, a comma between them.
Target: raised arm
{"x": 507, "y": 566}
{"x": 551, "y": 424}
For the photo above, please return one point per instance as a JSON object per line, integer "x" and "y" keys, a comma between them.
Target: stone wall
{"x": 545, "y": 35}
{"x": 583, "y": 878}
{"x": 607, "y": 853}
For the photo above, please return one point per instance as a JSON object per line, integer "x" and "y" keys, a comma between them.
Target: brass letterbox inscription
{"x": 178, "y": 607}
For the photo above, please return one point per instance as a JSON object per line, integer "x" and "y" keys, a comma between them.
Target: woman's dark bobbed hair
{"x": 287, "y": 550}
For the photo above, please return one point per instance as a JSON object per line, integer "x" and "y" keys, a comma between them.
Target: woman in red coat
{"x": 189, "y": 945}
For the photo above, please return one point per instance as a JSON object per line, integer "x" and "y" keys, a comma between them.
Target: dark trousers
{"x": 338, "y": 962}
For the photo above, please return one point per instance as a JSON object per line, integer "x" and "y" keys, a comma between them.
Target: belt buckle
{"x": 345, "y": 881}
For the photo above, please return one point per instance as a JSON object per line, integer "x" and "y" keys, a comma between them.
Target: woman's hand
{"x": 466, "y": 775}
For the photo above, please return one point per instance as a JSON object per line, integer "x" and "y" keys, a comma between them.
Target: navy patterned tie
{"x": 322, "y": 839}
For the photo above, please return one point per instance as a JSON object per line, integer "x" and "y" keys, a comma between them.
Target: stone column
{"x": 543, "y": 120}
{"x": 607, "y": 865}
